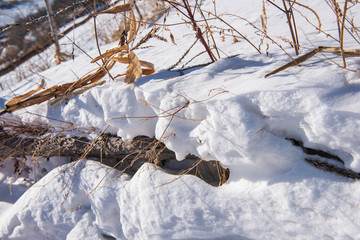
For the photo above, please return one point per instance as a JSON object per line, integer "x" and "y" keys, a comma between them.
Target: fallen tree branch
{"x": 325, "y": 164}
{"x": 126, "y": 156}
{"x": 303, "y": 58}
{"x": 110, "y": 147}
{"x": 332, "y": 168}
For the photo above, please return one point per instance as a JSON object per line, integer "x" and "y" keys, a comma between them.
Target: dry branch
{"x": 294, "y": 62}
{"x": 126, "y": 156}
{"x": 291, "y": 22}
{"x": 303, "y": 58}
{"x": 325, "y": 160}
{"x": 332, "y": 168}
{"x": 189, "y": 14}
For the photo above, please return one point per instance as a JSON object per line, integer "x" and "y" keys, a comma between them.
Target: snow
{"x": 147, "y": 206}
{"x": 225, "y": 111}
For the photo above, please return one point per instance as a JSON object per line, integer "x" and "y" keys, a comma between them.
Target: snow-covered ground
{"x": 233, "y": 114}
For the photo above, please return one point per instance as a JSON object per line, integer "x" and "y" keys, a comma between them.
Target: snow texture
{"x": 225, "y": 111}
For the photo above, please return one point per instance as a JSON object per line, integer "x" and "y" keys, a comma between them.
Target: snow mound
{"x": 225, "y": 111}
{"x": 148, "y": 207}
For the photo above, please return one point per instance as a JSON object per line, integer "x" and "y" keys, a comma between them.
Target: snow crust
{"x": 225, "y": 111}
{"x": 301, "y": 204}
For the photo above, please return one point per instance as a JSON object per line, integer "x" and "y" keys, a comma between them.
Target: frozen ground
{"x": 233, "y": 115}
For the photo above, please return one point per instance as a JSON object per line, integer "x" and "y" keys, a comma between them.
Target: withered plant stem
{"x": 198, "y": 31}
{"x": 303, "y": 58}
{"x": 294, "y": 24}
{"x": 342, "y": 34}
{"x": 183, "y": 56}
{"x": 234, "y": 29}
{"x": 208, "y": 27}
{"x": 97, "y": 43}
{"x": 95, "y": 30}
{"x": 290, "y": 16}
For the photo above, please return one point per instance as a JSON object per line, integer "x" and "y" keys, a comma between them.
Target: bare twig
{"x": 342, "y": 33}
{"x": 291, "y": 23}
{"x": 198, "y": 31}
{"x": 182, "y": 57}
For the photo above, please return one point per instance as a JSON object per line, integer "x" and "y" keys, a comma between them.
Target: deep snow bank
{"x": 238, "y": 118}
{"x": 302, "y": 204}
{"x": 225, "y": 111}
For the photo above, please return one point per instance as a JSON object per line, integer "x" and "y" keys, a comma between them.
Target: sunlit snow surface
{"x": 301, "y": 204}
{"x": 233, "y": 115}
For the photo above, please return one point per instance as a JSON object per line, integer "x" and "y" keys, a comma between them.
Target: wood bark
{"x": 127, "y": 156}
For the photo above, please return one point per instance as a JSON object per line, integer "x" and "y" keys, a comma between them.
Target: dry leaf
{"x": 263, "y": 24}
{"x": 149, "y": 67}
{"x": 172, "y": 38}
{"x": 124, "y": 60}
{"x": 133, "y": 27}
{"x": 148, "y": 71}
{"x": 134, "y": 68}
{"x": 117, "y": 9}
{"x": 17, "y": 99}
{"x": 111, "y": 52}
{"x": 56, "y": 91}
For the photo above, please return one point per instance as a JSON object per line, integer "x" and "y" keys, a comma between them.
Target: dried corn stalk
{"x": 121, "y": 54}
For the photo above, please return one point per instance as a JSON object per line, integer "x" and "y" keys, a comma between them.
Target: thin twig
{"x": 288, "y": 12}
{"x": 198, "y": 31}
{"x": 342, "y": 33}
{"x": 182, "y": 57}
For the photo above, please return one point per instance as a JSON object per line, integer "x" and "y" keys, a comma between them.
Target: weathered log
{"x": 114, "y": 152}
{"x": 106, "y": 147}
